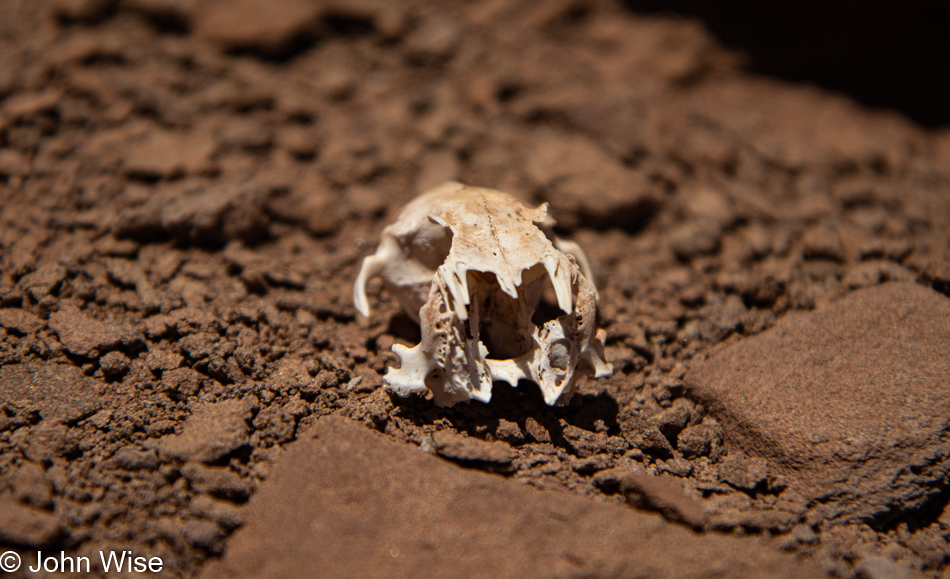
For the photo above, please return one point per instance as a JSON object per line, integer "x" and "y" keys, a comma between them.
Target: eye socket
{"x": 430, "y": 245}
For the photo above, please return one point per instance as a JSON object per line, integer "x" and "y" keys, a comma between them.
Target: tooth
{"x": 507, "y": 287}
{"x": 461, "y": 274}
{"x": 459, "y": 297}
{"x": 482, "y": 390}
{"x": 561, "y": 278}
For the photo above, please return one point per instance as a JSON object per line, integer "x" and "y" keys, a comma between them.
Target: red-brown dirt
{"x": 187, "y": 188}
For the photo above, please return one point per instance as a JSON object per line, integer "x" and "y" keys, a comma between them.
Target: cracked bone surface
{"x": 471, "y": 266}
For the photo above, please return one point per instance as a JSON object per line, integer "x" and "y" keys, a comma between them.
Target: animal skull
{"x": 471, "y": 265}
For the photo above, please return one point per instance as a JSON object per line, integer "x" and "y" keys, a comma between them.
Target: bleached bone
{"x": 470, "y": 265}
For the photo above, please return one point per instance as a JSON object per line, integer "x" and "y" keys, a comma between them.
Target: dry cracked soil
{"x": 187, "y": 188}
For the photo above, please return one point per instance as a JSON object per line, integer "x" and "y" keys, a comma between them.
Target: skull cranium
{"x": 471, "y": 265}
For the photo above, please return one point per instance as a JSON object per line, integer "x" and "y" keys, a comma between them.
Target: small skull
{"x": 471, "y": 266}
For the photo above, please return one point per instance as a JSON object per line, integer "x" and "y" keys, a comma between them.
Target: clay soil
{"x": 187, "y": 188}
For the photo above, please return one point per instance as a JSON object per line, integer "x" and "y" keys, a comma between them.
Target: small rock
{"x": 293, "y": 374}
{"x": 801, "y": 535}
{"x": 109, "y": 245}
{"x": 274, "y": 424}
{"x": 218, "y": 481}
{"x": 378, "y": 408}
{"x": 156, "y": 326}
{"x": 201, "y": 345}
{"x": 773, "y": 520}
{"x": 590, "y": 464}
{"x": 509, "y": 431}
{"x": 663, "y": 494}
{"x": 823, "y": 242}
{"x": 13, "y": 163}
{"x": 746, "y": 474}
{"x": 60, "y": 393}
{"x": 84, "y": 336}
{"x": 699, "y": 439}
{"x": 720, "y": 320}
{"x": 206, "y": 535}
{"x": 268, "y": 27}
{"x": 312, "y": 203}
{"x": 181, "y": 382}
{"x": 757, "y": 238}
{"x": 159, "y": 359}
{"x": 644, "y": 435}
{"x": 45, "y": 441}
{"x": 31, "y": 487}
{"x": 135, "y": 459}
{"x": 870, "y": 273}
{"x": 20, "y": 321}
{"x": 125, "y": 272}
{"x": 245, "y": 133}
{"x": 708, "y": 204}
{"x": 471, "y": 451}
{"x": 167, "y": 154}
{"x": 695, "y": 239}
{"x": 881, "y": 567}
{"x": 225, "y": 513}
{"x": 536, "y": 431}
{"x": 101, "y": 419}
{"x": 190, "y": 320}
{"x": 213, "y": 215}
{"x": 171, "y": 13}
{"x": 674, "y": 419}
{"x": 587, "y": 185}
{"x": 584, "y": 442}
{"x": 210, "y": 434}
{"x": 761, "y": 290}
{"x": 160, "y": 428}
{"x": 435, "y": 39}
{"x": 82, "y": 10}
{"x": 298, "y": 141}
{"x": 679, "y": 467}
{"x": 20, "y": 525}
{"x": 114, "y": 365}
{"x": 609, "y": 480}
{"x": 43, "y": 281}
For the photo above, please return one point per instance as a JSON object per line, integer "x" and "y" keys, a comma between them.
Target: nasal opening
{"x": 504, "y": 325}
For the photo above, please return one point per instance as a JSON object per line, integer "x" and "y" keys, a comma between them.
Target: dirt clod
{"x": 210, "y": 434}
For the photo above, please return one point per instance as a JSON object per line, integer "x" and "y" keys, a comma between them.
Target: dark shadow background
{"x": 883, "y": 54}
